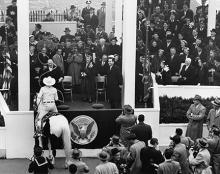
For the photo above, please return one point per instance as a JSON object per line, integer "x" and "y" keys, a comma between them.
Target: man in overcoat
{"x": 213, "y": 118}
{"x": 195, "y": 114}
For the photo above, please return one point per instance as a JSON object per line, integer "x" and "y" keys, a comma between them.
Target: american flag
{"x": 7, "y": 74}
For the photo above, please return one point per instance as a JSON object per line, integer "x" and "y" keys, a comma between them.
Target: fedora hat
{"x": 72, "y": 6}
{"x": 88, "y": 2}
{"x": 216, "y": 102}
{"x": 76, "y": 153}
{"x": 67, "y": 29}
{"x": 213, "y": 30}
{"x": 103, "y": 156}
{"x": 103, "y": 3}
{"x": 49, "y": 81}
{"x": 115, "y": 139}
{"x": 203, "y": 143}
{"x": 197, "y": 97}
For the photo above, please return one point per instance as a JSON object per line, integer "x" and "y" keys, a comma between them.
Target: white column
{"x": 108, "y": 16}
{"x": 23, "y": 56}
{"x": 129, "y": 51}
{"x": 118, "y": 18}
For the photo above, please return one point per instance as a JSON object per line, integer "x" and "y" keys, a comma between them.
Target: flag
{"x": 7, "y": 75}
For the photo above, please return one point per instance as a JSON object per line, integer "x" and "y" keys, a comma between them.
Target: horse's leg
{"x": 51, "y": 157}
{"x": 66, "y": 144}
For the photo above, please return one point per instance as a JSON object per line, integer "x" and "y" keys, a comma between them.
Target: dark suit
{"x": 102, "y": 50}
{"x": 37, "y": 35}
{"x": 174, "y": 64}
{"x": 102, "y": 34}
{"x": 114, "y": 49}
{"x": 142, "y": 131}
{"x": 85, "y": 12}
{"x": 66, "y": 37}
{"x": 91, "y": 20}
{"x": 188, "y": 74}
{"x": 114, "y": 79}
{"x": 149, "y": 155}
{"x": 12, "y": 12}
{"x": 102, "y": 69}
{"x": 189, "y": 14}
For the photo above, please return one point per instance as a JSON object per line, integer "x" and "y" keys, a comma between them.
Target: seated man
{"x": 46, "y": 101}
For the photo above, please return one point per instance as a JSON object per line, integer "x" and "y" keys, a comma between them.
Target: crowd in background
{"x": 135, "y": 151}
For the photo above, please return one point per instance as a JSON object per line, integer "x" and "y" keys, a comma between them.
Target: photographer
{"x": 214, "y": 149}
{"x": 200, "y": 163}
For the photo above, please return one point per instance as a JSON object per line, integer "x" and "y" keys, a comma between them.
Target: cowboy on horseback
{"x": 46, "y": 101}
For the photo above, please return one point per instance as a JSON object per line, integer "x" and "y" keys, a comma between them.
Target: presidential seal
{"x": 83, "y": 130}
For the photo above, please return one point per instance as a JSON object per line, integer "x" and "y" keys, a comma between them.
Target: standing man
{"x": 142, "y": 131}
{"x": 91, "y": 19}
{"x": 214, "y": 149}
{"x": 114, "y": 85}
{"x": 67, "y": 36}
{"x": 101, "y": 14}
{"x": 195, "y": 114}
{"x": 151, "y": 157}
{"x": 214, "y": 115}
{"x": 86, "y": 10}
{"x": 134, "y": 155}
{"x": 58, "y": 59}
{"x": 105, "y": 167}
{"x": 12, "y": 12}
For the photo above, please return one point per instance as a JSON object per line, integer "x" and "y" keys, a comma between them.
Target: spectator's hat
{"x": 203, "y": 143}
{"x": 88, "y": 2}
{"x": 114, "y": 38}
{"x": 103, "y": 156}
{"x": 114, "y": 151}
{"x": 31, "y": 36}
{"x": 154, "y": 141}
{"x": 216, "y": 130}
{"x": 72, "y": 168}
{"x": 49, "y": 81}
{"x": 72, "y": 6}
{"x": 216, "y": 102}
{"x": 128, "y": 109}
{"x": 38, "y": 26}
{"x": 115, "y": 139}
{"x": 131, "y": 137}
{"x": 76, "y": 153}
{"x": 14, "y": 1}
{"x": 213, "y": 30}
{"x": 197, "y": 97}
{"x": 103, "y": 3}
{"x": 67, "y": 29}
{"x": 111, "y": 57}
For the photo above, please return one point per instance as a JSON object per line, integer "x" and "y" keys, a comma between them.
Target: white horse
{"x": 55, "y": 127}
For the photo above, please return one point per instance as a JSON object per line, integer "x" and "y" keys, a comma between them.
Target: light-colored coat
{"x": 213, "y": 119}
{"x": 58, "y": 60}
{"x": 195, "y": 114}
{"x": 201, "y": 162}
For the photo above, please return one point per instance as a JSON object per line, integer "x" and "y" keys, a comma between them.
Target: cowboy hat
{"x": 67, "y": 29}
{"x": 216, "y": 102}
{"x": 103, "y": 156}
{"x": 203, "y": 143}
{"x": 49, "y": 81}
{"x": 76, "y": 153}
{"x": 197, "y": 97}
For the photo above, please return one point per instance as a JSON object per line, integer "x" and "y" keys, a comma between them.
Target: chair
{"x": 100, "y": 86}
{"x": 67, "y": 86}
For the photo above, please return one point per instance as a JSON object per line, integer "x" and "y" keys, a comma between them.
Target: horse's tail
{"x": 67, "y": 142}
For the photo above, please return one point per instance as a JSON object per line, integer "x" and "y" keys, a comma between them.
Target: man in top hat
{"x": 213, "y": 118}
{"x": 105, "y": 167}
{"x": 46, "y": 99}
{"x": 201, "y": 162}
{"x": 101, "y": 14}
{"x": 12, "y": 12}
{"x": 76, "y": 160}
{"x": 195, "y": 115}
{"x": 66, "y": 36}
{"x": 86, "y": 10}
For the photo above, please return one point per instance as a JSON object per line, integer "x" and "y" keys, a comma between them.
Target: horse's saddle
{"x": 48, "y": 115}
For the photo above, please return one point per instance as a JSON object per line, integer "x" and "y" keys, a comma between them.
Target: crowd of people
{"x": 84, "y": 56}
{"x": 135, "y": 151}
